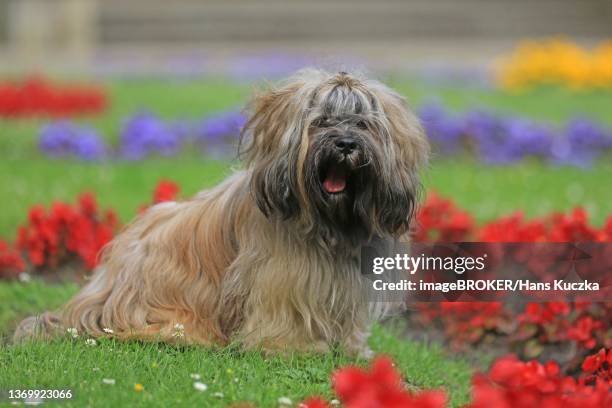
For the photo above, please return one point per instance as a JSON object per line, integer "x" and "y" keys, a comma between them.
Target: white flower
{"x": 179, "y": 330}
{"x": 284, "y": 401}
{"x": 195, "y": 376}
{"x": 73, "y": 332}
{"x": 200, "y": 386}
{"x": 107, "y": 330}
{"x": 334, "y": 402}
{"x": 90, "y": 342}
{"x": 218, "y": 394}
{"x": 25, "y": 277}
{"x": 108, "y": 381}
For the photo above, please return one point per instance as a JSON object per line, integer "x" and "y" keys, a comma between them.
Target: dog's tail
{"x": 43, "y": 326}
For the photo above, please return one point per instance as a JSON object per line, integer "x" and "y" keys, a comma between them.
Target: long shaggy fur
{"x": 269, "y": 256}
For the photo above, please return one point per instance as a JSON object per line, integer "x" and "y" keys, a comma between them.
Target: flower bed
{"x": 37, "y": 97}
{"x": 142, "y": 135}
{"x": 501, "y": 140}
{"x": 557, "y": 62}
{"x": 81, "y": 230}
{"x": 76, "y": 233}
{"x": 509, "y": 383}
{"x": 490, "y": 138}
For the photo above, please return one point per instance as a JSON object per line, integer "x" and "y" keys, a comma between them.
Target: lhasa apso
{"x": 270, "y": 257}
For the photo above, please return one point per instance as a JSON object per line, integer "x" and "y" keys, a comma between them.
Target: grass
{"x": 164, "y": 370}
{"x": 27, "y": 178}
{"x": 486, "y": 191}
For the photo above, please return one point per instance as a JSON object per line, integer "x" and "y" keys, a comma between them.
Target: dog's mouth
{"x": 334, "y": 178}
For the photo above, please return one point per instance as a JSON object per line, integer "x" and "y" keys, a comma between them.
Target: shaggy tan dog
{"x": 269, "y": 257}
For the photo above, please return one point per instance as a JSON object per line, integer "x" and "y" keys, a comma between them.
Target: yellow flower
{"x": 557, "y": 62}
{"x": 138, "y": 387}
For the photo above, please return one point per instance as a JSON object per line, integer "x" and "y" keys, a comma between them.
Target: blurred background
{"x": 209, "y": 36}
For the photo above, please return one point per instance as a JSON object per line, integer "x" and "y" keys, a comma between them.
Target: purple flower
{"x": 442, "y": 129}
{"x": 493, "y": 138}
{"x": 57, "y": 139}
{"x": 144, "y": 134}
{"x": 64, "y": 139}
{"x": 488, "y": 134}
{"x": 526, "y": 138}
{"x": 507, "y": 140}
{"x": 510, "y": 140}
{"x": 221, "y": 131}
{"x": 89, "y": 146}
{"x": 583, "y": 141}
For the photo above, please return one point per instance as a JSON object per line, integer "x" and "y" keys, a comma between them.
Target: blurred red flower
{"x": 49, "y": 239}
{"x": 380, "y": 386}
{"x": 38, "y": 97}
{"x": 11, "y": 262}
{"x": 166, "y": 190}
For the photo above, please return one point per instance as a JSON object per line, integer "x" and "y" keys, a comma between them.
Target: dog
{"x": 270, "y": 257}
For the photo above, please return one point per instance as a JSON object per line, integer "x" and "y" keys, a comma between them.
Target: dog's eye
{"x": 361, "y": 125}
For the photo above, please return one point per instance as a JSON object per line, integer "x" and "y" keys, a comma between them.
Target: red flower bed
{"x": 39, "y": 97}
{"x": 514, "y": 383}
{"x": 77, "y": 232}
{"x": 587, "y": 325}
{"x": 380, "y": 386}
{"x": 52, "y": 238}
{"x": 440, "y": 219}
{"x": 510, "y": 383}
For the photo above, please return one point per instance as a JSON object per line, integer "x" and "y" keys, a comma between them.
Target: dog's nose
{"x": 346, "y": 144}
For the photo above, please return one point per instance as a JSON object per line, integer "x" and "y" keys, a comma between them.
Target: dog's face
{"x": 336, "y": 153}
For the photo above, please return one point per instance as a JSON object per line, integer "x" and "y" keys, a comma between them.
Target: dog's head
{"x": 338, "y": 153}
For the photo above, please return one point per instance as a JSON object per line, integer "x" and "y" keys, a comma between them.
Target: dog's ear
{"x": 406, "y": 153}
{"x": 270, "y": 146}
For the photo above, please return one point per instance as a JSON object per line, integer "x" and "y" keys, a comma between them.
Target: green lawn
{"x": 165, "y": 370}
{"x": 486, "y": 191}
{"x": 27, "y": 178}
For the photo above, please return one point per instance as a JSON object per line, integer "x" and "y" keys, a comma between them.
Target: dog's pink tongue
{"x": 335, "y": 180}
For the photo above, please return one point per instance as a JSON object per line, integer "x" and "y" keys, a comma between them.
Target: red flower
{"x": 541, "y": 313}
{"x": 512, "y": 229}
{"x": 37, "y": 97}
{"x": 572, "y": 228}
{"x": 382, "y": 387}
{"x": 66, "y": 232}
{"x": 598, "y": 367}
{"x": 166, "y": 190}
{"x": 88, "y": 204}
{"x": 582, "y": 331}
{"x": 517, "y": 384}
{"x": 11, "y": 262}
{"x": 441, "y": 220}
